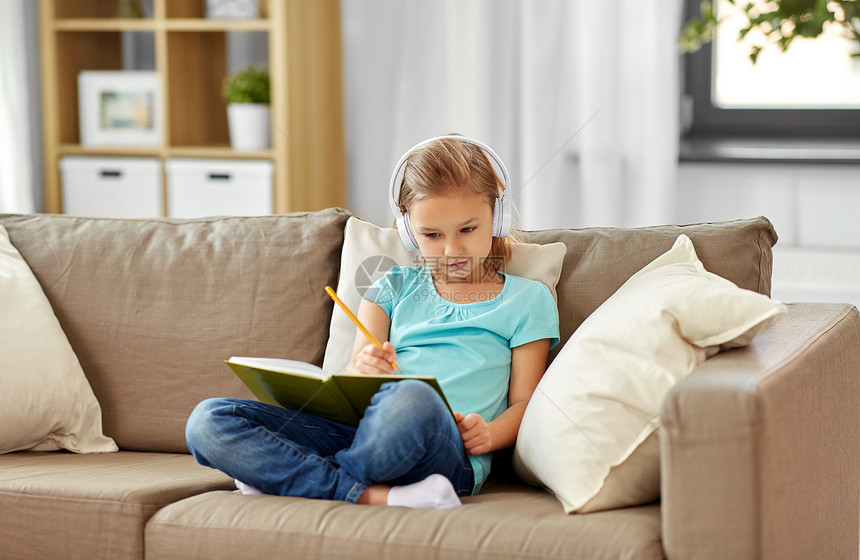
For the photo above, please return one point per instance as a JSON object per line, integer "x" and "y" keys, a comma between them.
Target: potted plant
{"x": 248, "y": 98}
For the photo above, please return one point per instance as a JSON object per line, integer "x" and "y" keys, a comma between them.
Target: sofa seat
{"x": 504, "y": 521}
{"x": 96, "y": 506}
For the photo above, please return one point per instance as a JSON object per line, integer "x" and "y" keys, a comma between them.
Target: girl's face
{"x": 454, "y": 233}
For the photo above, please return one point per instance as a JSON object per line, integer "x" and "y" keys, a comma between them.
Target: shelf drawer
{"x": 111, "y": 187}
{"x": 218, "y": 187}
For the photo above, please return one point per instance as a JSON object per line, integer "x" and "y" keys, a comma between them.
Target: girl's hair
{"x": 449, "y": 165}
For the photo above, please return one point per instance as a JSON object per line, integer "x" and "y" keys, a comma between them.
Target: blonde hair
{"x": 450, "y": 165}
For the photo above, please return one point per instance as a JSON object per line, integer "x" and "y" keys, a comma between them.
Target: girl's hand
{"x": 370, "y": 360}
{"x": 475, "y": 433}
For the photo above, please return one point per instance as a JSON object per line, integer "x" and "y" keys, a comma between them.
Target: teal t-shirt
{"x": 465, "y": 346}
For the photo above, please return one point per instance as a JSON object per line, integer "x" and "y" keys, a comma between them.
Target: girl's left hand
{"x": 475, "y": 433}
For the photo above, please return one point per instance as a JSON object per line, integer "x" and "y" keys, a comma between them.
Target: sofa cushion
{"x": 88, "y": 507}
{"x": 45, "y": 401}
{"x": 586, "y": 434}
{"x": 153, "y": 307}
{"x": 502, "y": 522}
{"x": 599, "y": 260}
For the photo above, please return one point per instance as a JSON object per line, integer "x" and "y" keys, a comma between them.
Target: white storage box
{"x": 111, "y": 187}
{"x": 218, "y": 187}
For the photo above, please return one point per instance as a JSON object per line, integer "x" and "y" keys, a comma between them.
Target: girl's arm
{"x": 367, "y": 358}
{"x": 528, "y": 363}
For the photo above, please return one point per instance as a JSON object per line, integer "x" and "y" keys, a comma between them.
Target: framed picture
{"x": 119, "y": 108}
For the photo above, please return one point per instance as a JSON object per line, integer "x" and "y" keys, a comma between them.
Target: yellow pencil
{"x": 358, "y": 324}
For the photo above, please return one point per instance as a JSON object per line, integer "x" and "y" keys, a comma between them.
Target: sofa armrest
{"x": 760, "y": 447}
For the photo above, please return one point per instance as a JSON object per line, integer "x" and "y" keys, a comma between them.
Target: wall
{"x": 814, "y": 208}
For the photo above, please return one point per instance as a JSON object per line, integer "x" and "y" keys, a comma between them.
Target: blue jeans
{"x": 406, "y": 435}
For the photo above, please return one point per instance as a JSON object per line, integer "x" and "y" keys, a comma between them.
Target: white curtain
{"x": 580, "y": 99}
{"x": 16, "y": 164}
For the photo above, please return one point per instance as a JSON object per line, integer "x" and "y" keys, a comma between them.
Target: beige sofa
{"x": 759, "y": 446}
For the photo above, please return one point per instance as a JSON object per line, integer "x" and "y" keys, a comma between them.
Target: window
{"x": 811, "y": 91}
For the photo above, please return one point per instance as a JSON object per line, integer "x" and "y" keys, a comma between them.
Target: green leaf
{"x": 754, "y": 52}
{"x": 785, "y": 42}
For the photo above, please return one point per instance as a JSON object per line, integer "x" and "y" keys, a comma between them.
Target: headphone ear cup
{"x": 404, "y": 228}
{"x": 502, "y": 217}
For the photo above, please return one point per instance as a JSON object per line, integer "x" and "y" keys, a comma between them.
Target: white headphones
{"x": 501, "y": 211}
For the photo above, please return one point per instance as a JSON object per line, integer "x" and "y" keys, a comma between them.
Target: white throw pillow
{"x": 369, "y": 251}
{"x": 588, "y": 433}
{"x": 46, "y": 402}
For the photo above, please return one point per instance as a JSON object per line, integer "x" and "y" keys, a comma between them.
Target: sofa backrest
{"x": 600, "y": 260}
{"x": 152, "y": 308}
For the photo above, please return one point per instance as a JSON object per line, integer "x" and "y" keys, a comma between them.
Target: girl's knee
{"x": 415, "y": 399}
{"x": 203, "y": 412}
{"x": 409, "y": 390}
{"x": 201, "y": 425}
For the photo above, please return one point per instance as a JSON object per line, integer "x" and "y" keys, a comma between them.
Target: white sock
{"x": 435, "y": 491}
{"x": 245, "y": 489}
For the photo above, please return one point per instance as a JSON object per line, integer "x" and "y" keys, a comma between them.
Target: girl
{"x": 482, "y": 333}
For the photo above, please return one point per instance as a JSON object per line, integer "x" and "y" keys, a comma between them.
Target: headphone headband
{"x": 501, "y": 212}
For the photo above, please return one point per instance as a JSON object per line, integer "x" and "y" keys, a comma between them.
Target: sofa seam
{"x": 351, "y": 539}
{"x": 761, "y": 280}
{"x": 89, "y": 500}
{"x": 169, "y": 221}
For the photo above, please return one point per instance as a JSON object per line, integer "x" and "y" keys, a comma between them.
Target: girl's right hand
{"x": 371, "y": 360}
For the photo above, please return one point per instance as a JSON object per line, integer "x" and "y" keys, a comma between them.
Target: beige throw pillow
{"x": 588, "y": 434}
{"x": 369, "y": 251}
{"x": 46, "y": 402}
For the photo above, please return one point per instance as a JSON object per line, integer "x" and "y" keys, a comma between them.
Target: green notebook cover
{"x": 295, "y": 385}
